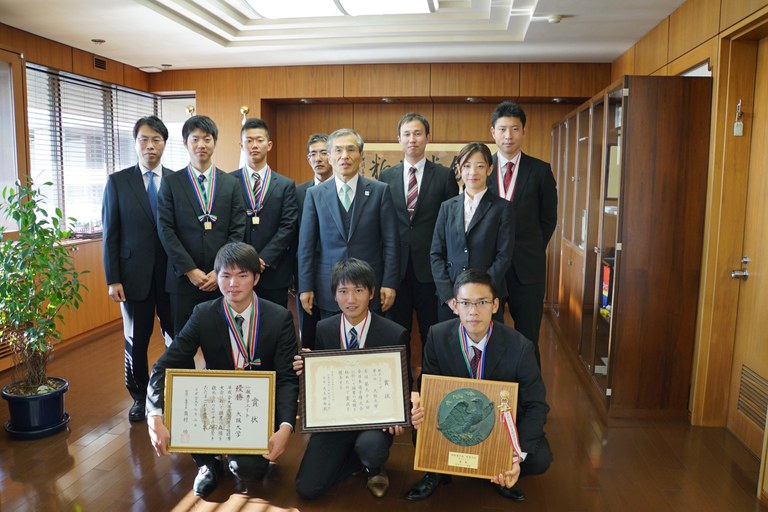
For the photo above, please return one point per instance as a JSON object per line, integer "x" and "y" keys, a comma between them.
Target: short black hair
{"x": 203, "y": 123}
{"x": 316, "y": 137}
{"x": 237, "y": 255}
{"x": 254, "y": 123}
{"x": 472, "y": 148}
{"x": 353, "y": 271}
{"x": 413, "y": 116}
{"x": 154, "y": 123}
{"x": 474, "y": 276}
{"x": 508, "y": 109}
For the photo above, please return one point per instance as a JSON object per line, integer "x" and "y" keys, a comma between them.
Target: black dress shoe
{"x": 511, "y": 493}
{"x": 424, "y": 488}
{"x": 137, "y": 412}
{"x": 206, "y": 481}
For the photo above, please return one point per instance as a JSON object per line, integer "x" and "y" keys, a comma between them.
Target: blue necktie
{"x": 152, "y": 193}
{"x": 352, "y": 339}
{"x": 201, "y": 180}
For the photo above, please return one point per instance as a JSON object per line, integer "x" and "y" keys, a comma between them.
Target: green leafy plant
{"x": 38, "y": 281}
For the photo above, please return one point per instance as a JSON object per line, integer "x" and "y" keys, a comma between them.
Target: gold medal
{"x": 208, "y": 225}
{"x": 255, "y": 219}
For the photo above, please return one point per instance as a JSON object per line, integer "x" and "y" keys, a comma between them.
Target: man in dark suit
{"x": 492, "y": 351}
{"x": 216, "y": 328}
{"x": 349, "y": 216}
{"x": 134, "y": 260}
{"x": 317, "y": 156}
{"x": 333, "y": 456}
{"x": 418, "y": 188}
{"x": 271, "y": 212}
{"x": 200, "y": 208}
{"x": 530, "y": 185}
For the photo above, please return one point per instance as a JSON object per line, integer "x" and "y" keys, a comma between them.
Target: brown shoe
{"x": 378, "y": 484}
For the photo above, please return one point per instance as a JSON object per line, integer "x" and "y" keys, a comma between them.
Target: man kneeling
{"x": 332, "y": 456}
{"x": 507, "y": 356}
{"x": 237, "y": 331}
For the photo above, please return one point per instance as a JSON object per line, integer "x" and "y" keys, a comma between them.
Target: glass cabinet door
{"x": 570, "y": 178}
{"x": 558, "y": 150}
{"x": 607, "y": 245}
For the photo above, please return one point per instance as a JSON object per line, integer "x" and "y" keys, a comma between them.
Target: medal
{"x": 464, "y": 340}
{"x": 256, "y": 199}
{"x": 207, "y": 218}
{"x": 255, "y": 219}
{"x": 246, "y": 343}
{"x": 208, "y": 225}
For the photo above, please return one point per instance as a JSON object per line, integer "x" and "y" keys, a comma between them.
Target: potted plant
{"x": 38, "y": 281}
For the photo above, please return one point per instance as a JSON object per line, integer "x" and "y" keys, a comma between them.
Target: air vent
{"x": 99, "y": 63}
{"x": 753, "y": 396}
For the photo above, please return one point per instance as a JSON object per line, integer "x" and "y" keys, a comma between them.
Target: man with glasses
{"x": 317, "y": 156}
{"x": 134, "y": 260}
{"x": 474, "y": 346}
{"x": 349, "y": 216}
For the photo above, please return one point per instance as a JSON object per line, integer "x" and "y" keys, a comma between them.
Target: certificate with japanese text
{"x": 354, "y": 389}
{"x": 219, "y": 411}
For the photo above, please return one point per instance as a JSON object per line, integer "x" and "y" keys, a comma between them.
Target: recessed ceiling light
{"x": 389, "y": 100}
{"x": 150, "y": 69}
{"x": 166, "y": 66}
{"x": 306, "y": 101}
{"x": 98, "y": 42}
{"x": 474, "y": 99}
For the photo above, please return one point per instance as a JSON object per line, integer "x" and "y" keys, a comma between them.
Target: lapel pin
{"x": 367, "y": 192}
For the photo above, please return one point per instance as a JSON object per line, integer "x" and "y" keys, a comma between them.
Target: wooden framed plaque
{"x": 219, "y": 411}
{"x": 354, "y": 389}
{"x": 462, "y": 433}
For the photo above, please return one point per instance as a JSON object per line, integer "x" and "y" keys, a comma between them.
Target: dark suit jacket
{"x": 273, "y": 236}
{"x": 301, "y": 193}
{"x": 186, "y": 242}
{"x": 382, "y": 333}
{"x": 509, "y": 358}
{"x": 438, "y": 184}
{"x": 487, "y": 244}
{"x": 207, "y": 329}
{"x": 373, "y": 237}
{"x": 535, "y": 205}
{"x": 132, "y": 248}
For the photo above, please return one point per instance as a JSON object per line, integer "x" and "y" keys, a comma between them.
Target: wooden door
{"x": 749, "y": 375}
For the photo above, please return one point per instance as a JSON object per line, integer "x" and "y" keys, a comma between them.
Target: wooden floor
{"x": 105, "y": 463}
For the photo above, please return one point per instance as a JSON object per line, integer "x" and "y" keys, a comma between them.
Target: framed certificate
{"x": 354, "y": 389}
{"x": 462, "y": 433}
{"x": 219, "y": 411}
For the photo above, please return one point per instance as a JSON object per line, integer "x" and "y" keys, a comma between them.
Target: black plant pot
{"x": 33, "y": 417}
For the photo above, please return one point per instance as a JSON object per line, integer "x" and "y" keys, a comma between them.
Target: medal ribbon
{"x": 343, "y": 332}
{"x": 205, "y": 207}
{"x": 247, "y": 346}
{"x": 464, "y": 339}
{"x": 506, "y": 194}
{"x": 514, "y": 439}
{"x": 256, "y": 201}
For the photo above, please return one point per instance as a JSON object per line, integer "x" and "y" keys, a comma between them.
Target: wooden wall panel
{"x": 82, "y": 64}
{"x": 381, "y": 80}
{"x": 135, "y": 78}
{"x": 36, "y": 49}
{"x": 691, "y": 24}
{"x": 482, "y": 80}
{"x": 294, "y": 124}
{"x": 733, "y": 11}
{"x": 706, "y": 52}
{"x": 624, "y": 65}
{"x": 377, "y": 122}
{"x": 464, "y": 122}
{"x": 295, "y": 81}
{"x": 538, "y": 127}
{"x": 563, "y": 80}
{"x": 651, "y": 50}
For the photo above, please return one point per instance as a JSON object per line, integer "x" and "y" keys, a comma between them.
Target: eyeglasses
{"x": 481, "y": 304}
{"x": 145, "y": 140}
{"x": 315, "y": 154}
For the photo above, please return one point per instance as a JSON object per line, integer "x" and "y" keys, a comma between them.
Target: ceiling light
{"x": 389, "y": 100}
{"x": 474, "y": 99}
{"x": 306, "y": 101}
{"x": 272, "y": 9}
{"x": 150, "y": 69}
{"x": 98, "y": 42}
{"x": 554, "y": 18}
{"x": 166, "y": 66}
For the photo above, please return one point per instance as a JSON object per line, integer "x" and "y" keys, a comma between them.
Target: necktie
{"x": 413, "y": 192}
{"x": 346, "y": 199}
{"x": 152, "y": 193}
{"x": 201, "y": 180}
{"x": 475, "y": 362}
{"x": 508, "y": 176}
{"x": 239, "y": 321}
{"x": 256, "y": 185}
{"x": 353, "y": 339}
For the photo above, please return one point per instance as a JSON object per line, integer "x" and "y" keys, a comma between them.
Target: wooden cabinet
{"x": 631, "y": 248}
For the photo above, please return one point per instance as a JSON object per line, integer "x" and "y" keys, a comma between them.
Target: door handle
{"x": 740, "y": 274}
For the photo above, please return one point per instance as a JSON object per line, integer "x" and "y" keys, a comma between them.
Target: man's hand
{"x": 387, "y": 298}
{"x": 298, "y": 362}
{"x": 307, "y": 298}
{"x": 262, "y": 264}
{"x": 159, "y": 435}
{"x": 509, "y": 477}
{"x": 116, "y": 292}
{"x": 277, "y": 443}
{"x": 417, "y": 411}
{"x": 197, "y": 277}
{"x": 210, "y": 282}
{"x": 395, "y": 431}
